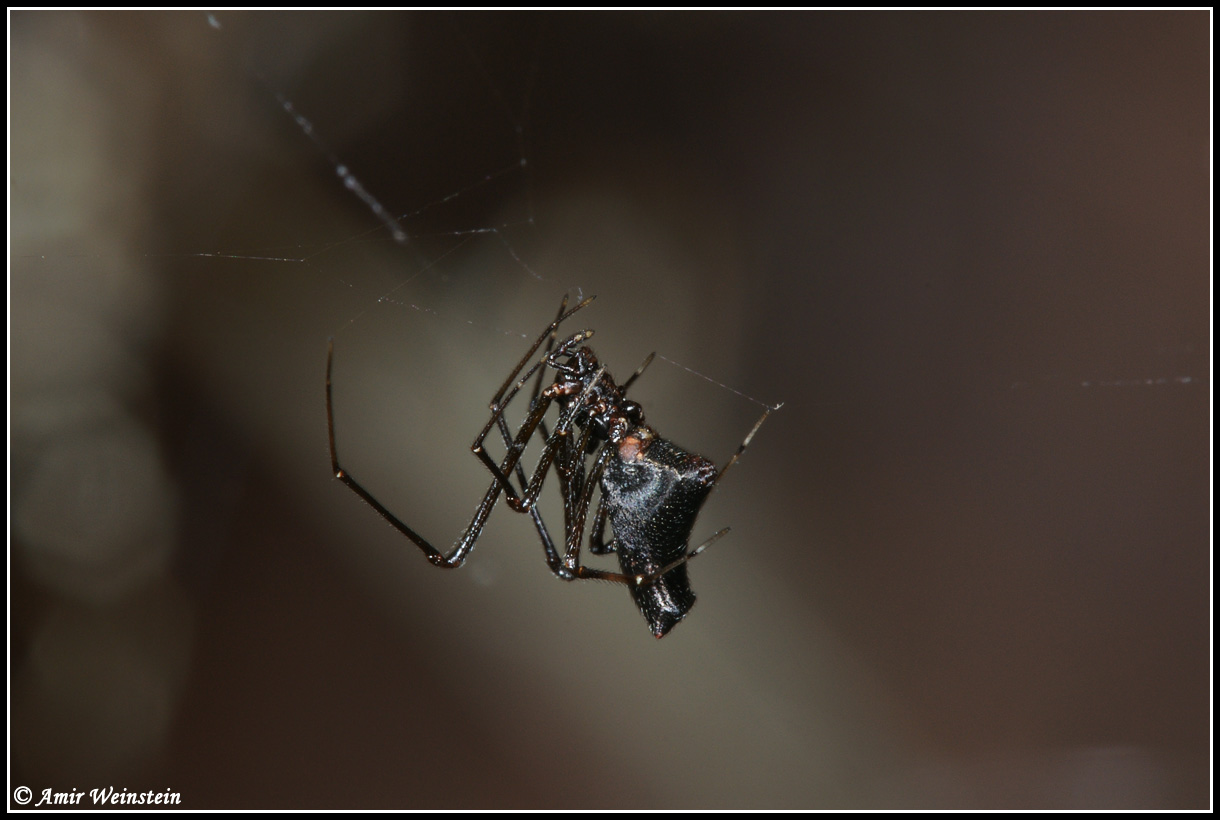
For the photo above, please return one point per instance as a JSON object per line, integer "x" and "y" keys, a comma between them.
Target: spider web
{"x": 201, "y": 201}
{"x": 403, "y": 208}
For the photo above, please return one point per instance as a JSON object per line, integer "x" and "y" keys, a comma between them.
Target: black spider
{"x": 651, "y": 490}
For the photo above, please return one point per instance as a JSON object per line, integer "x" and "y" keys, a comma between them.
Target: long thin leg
{"x": 434, "y": 555}
{"x": 548, "y": 545}
{"x": 586, "y": 573}
{"x": 463, "y": 545}
{"x": 550, "y": 346}
{"x": 502, "y": 423}
{"x": 499, "y": 401}
{"x": 638, "y": 372}
{"x": 745, "y": 443}
{"x": 574, "y": 523}
{"x": 597, "y": 536}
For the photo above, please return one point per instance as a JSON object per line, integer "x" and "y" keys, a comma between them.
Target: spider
{"x": 651, "y": 489}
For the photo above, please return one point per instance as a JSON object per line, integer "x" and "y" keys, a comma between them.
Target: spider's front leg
{"x": 470, "y": 535}
{"x": 597, "y": 536}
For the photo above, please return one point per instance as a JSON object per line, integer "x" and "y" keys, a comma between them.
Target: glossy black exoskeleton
{"x": 652, "y": 497}
{"x": 651, "y": 490}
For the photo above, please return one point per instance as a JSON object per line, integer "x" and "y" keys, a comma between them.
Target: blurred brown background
{"x": 969, "y": 558}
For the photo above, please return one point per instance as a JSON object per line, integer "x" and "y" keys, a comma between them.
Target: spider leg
{"x": 550, "y": 346}
{"x": 548, "y": 545}
{"x": 563, "y": 316}
{"x": 562, "y": 430}
{"x": 567, "y": 457}
{"x": 583, "y": 572}
{"x": 504, "y": 395}
{"x": 597, "y": 536}
{"x": 745, "y": 443}
{"x": 503, "y": 425}
{"x": 463, "y": 546}
{"x": 638, "y": 372}
{"x": 574, "y": 514}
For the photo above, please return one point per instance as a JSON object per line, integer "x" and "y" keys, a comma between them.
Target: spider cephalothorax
{"x": 603, "y": 405}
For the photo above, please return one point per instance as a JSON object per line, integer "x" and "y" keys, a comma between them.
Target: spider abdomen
{"x": 652, "y": 493}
